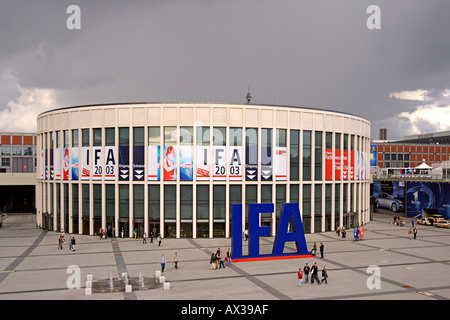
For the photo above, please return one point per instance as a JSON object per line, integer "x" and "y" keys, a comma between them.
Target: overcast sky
{"x": 290, "y": 52}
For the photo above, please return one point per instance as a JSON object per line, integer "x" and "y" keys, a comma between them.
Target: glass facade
{"x": 182, "y": 180}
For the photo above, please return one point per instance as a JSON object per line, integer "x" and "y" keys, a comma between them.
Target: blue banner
{"x": 124, "y": 163}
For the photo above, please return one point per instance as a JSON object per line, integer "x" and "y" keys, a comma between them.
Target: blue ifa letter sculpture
{"x": 289, "y": 212}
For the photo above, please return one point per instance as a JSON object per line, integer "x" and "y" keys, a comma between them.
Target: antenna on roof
{"x": 249, "y": 96}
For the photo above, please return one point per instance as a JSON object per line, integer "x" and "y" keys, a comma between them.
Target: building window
{"x": 16, "y": 151}
{"x": 124, "y": 201}
{"x": 75, "y": 138}
{"x": 154, "y": 136}
{"x": 110, "y": 137}
{"x": 294, "y": 156}
{"x": 318, "y": 155}
{"x": 138, "y": 201}
{"x": 110, "y": 200}
{"x": 306, "y": 155}
{"x": 6, "y": 162}
{"x": 202, "y": 211}
{"x": 318, "y": 208}
{"x": 153, "y": 202}
{"x": 85, "y": 137}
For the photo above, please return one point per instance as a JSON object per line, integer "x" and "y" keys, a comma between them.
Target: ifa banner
{"x": 124, "y": 163}
{"x": 352, "y": 165}
{"x": 97, "y": 161}
{"x": 266, "y": 163}
{"x": 138, "y": 163}
{"x": 66, "y": 165}
{"x": 170, "y": 163}
{"x": 85, "y": 168}
{"x": 153, "y": 169}
{"x": 235, "y": 163}
{"x": 220, "y": 163}
{"x": 251, "y": 163}
{"x": 280, "y": 163}
{"x": 57, "y": 164}
{"x": 186, "y": 163}
{"x": 345, "y": 165}
{"x": 337, "y": 164}
{"x": 46, "y": 164}
{"x": 74, "y": 166}
{"x": 202, "y": 163}
{"x": 51, "y": 165}
{"x": 110, "y": 163}
{"x": 42, "y": 165}
{"x": 328, "y": 164}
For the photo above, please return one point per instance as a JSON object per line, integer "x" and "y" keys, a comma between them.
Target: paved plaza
{"x": 32, "y": 268}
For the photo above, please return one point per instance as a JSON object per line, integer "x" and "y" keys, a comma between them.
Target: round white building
{"x": 176, "y": 169}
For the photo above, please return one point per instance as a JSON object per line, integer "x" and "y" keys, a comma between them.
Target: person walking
{"x": 324, "y": 275}
{"x": 314, "y": 272}
{"x": 144, "y": 240}
{"x": 212, "y": 262}
{"x": 73, "y": 243}
{"x": 300, "y": 277}
{"x": 60, "y": 242}
{"x": 314, "y": 249}
{"x": 306, "y": 270}
{"x": 159, "y": 240}
{"x": 175, "y": 260}
{"x": 151, "y": 236}
{"x": 221, "y": 260}
{"x": 162, "y": 260}
{"x": 228, "y": 257}
{"x": 70, "y": 244}
{"x": 410, "y": 233}
{"x": 415, "y": 232}
{"x": 321, "y": 250}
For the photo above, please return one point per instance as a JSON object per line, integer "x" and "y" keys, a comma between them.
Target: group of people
{"x": 314, "y": 271}
{"x": 159, "y": 238}
{"x": 400, "y": 223}
{"x": 341, "y": 231}
{"x": 314, "y": 249}
{"x": 162, "y": 261}
{"x": 217, "y": 260}
{"x": 62, "y": 239}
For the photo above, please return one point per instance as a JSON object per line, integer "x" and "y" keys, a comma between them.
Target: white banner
{"x": 235, "y": 171}
{"x": 153, "y": 168}
{"x": 85, "y": 167}
{"x": 57, "y": 164}
{"x": 110, "y": 163}
{"x": 202, "y": 163}
{"x": 280, "y": 163}
{"x": 97, "y": 168}
{"x": 220, "y": 163}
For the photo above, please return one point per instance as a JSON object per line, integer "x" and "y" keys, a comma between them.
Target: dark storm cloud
{"x": 306, "y": 53}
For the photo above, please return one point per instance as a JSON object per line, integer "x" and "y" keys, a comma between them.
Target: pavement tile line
{"x": 22, "y": 257}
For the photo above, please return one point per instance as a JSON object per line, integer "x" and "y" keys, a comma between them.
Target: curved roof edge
{"x": 217, "y": 103}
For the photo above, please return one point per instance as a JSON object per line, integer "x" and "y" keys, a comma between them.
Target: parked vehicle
{"x": 436, "y": 218}
{"x": 384, "y": 200}
{"x": 424, "y": 221}
{"x": 442, "y": 224}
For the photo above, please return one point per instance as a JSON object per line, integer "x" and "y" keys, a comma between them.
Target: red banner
{"x": 328, "y": 164}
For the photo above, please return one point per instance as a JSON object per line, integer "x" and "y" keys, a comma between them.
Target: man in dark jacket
{"x": 314, "y": 272}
